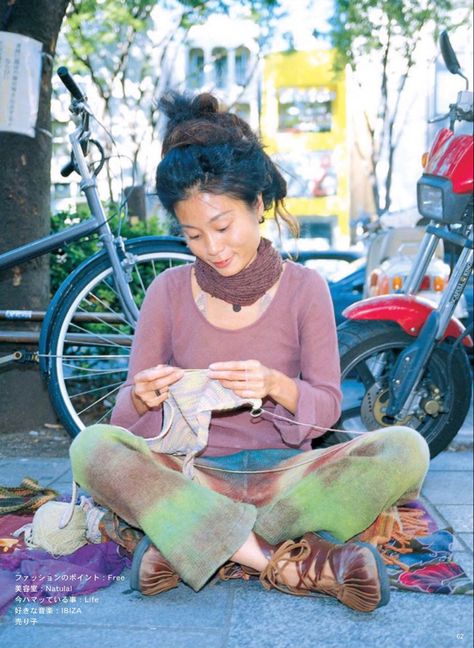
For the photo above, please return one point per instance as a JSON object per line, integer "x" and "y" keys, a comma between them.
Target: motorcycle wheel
{"x": 368, "y": 352}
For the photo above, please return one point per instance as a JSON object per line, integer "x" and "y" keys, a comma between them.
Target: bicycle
{"x": 86, "y": 334}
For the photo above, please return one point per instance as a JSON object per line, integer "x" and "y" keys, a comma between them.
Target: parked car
{"x": 344, "y": 271}
{"x": 347, "y": 287}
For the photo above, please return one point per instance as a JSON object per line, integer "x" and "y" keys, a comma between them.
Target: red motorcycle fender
{"x": 407, "y": 311}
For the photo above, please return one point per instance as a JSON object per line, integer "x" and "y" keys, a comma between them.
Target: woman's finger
{"x": 158, "y": 398}
{"x": 228, "y": 375}
{"x": 163, "y": 383}
{"x": 155, "y": 373}
{"x": 236, "y": 385}
{"x": 150, "y": 397}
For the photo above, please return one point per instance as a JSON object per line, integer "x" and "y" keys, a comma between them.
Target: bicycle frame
{"x": 98, "y": 222}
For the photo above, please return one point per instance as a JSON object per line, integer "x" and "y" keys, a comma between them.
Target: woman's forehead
{"x": 207, "y": 206}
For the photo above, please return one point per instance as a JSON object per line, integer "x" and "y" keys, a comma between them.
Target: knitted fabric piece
{"x": 187, "y": 413}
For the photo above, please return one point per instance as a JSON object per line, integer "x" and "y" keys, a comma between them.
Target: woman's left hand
{"x": 246, "y": 378}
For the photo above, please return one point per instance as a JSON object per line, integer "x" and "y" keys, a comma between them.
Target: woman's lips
{"x": 222, "y": 264}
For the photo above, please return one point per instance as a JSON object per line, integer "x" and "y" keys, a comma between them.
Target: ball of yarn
{"x": 45, "y": 532}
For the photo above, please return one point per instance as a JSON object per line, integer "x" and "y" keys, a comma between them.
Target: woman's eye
{"x": 223, "y": 229}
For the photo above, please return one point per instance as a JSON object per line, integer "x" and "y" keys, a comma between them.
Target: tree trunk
{"x": 25, "y": 216}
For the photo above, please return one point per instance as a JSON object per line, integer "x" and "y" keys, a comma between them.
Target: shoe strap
{"x": 288, "y": 552}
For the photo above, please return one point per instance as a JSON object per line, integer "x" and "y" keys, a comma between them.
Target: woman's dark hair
{"x": 209, "y": 150}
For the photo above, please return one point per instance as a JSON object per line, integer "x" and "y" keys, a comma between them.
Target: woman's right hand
{"x": 150, "y": 388}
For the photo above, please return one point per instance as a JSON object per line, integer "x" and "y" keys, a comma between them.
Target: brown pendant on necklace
{"x": 236, "y": 308}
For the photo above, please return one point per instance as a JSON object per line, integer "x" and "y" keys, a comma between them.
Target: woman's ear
{"x": 260, "y": 208}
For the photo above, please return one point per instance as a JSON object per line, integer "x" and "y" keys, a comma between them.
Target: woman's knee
{"x": 407, "y": 447}
{"x": 100, "y": 434}
{"x": 97, "y": 441}
{"x": 89, "y": 438}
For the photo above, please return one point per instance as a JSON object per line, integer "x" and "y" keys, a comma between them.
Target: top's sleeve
{"x": 151, "y": 346}
{"x": 319, "y": 382}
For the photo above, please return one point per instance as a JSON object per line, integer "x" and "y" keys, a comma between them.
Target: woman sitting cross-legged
{"x": 261, "y": 501}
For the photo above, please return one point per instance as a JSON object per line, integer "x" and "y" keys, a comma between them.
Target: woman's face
{"x": 220, "y": 230}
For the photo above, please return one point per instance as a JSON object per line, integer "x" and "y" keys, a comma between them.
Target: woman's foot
{"x": 353, "y": 572}
{"x": 151, "y": 573}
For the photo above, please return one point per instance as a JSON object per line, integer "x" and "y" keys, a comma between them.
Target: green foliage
{"x": 360, "y": 27}
{"x": 122, "y": 49}
{"x": 387, "y": 34}
{"x": 65, "y": 260}
{"x": 100, "y": 32}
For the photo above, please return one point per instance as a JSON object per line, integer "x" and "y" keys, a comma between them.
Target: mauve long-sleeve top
{"x": 296, "y": 335}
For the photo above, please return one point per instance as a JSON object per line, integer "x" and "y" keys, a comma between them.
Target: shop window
{"x": 220, "y": 58}
{"x": 242, "y": 60}
{"x": 305, "y": 110}
{"x": 195, "y": 68}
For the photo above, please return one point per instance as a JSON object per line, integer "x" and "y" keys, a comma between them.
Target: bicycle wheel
{"x": 368, "y": 353}
{"x": 90, "y": 339}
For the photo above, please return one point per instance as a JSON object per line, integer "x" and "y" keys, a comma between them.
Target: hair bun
{"x": 180, "y": 107}
{"x": 205, "y": 104}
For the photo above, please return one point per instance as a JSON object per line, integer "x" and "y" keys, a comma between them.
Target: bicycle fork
{"x": 89, "y": 186}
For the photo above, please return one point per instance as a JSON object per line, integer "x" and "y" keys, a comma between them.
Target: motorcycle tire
{"x": 368, "y": 348}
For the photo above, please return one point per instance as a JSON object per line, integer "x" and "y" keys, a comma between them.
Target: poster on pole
{"x": 20, "y": 77}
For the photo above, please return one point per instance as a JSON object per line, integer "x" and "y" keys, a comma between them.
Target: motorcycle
{"x": 404, "y": 358}
{"x": 390, "y": 259}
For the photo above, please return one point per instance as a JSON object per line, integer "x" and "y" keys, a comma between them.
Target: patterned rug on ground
{"x": 418, "y": 554}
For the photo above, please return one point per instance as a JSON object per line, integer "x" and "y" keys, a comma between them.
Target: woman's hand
{"x": 246, "y": 378}
{"x": 150, "y": 388}
{"x": 251, "y": 379}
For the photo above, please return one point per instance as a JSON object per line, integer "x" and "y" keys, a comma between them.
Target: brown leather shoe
{"x": 151, "y": 573}
{"x": 358, "y": 576}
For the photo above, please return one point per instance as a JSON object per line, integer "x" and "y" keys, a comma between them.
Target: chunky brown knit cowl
{"x": 247, "y": 286}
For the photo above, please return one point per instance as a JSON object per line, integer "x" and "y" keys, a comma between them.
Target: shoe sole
{"x": 142, "y": 546}
{"x": 381, "y": 569}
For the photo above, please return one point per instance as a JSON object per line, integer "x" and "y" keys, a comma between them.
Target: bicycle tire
{"x": 89, "y": 339}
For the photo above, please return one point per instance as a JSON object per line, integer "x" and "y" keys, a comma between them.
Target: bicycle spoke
{"x": 96, "y": 371}
{"x": 111, "y": 286}
{"x": 98, "y": 401}
{"x": 96, "y": 389}
{"x": 93, "y": 375}
{"x": 104, "y": 416}
{"x": 93, "y": 357}
{"x": 97, "y": 335}
{"x": 137, "y": 271}
{"x": 102, "y": 321}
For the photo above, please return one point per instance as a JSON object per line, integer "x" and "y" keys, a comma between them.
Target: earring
{"x": 262, "y": 220}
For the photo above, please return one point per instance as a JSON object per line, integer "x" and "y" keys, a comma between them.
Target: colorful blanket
{"x": 418, "y": 555}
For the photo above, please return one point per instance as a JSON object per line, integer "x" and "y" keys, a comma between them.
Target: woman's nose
{"x": 214, "y": 245}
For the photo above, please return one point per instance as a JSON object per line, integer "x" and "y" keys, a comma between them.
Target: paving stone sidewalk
{"x": 243, "y": 615}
